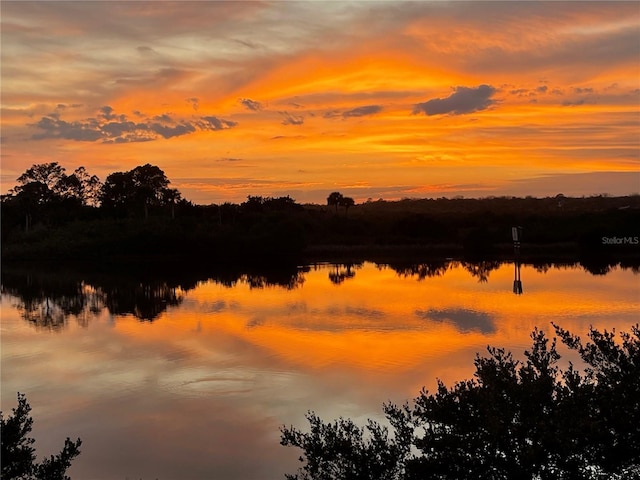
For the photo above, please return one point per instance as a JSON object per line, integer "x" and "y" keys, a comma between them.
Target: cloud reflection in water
{"x": 466, "y": 320}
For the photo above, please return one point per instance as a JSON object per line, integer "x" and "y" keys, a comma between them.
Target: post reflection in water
{"x": 517, "y": 280}
{"x": 190, "y": 378}
{"x": 516, "y": 233}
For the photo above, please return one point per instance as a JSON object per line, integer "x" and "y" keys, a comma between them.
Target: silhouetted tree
{"x": 55, "y": 184}
{"x": 342, "y": 450}
{"x": 45, "y": 189}
{"x": 150, "y": 185}
{"x": 29, "y": 198}
{"x": 258, "y": 204}
{"x": 347, "y": 202}
{"x": 48, "y": 174}
{"x": 282, "y": 204}
{"x": 142, "y": 187}
{"x": 18, "y": 455}
{"x": 334, "y": 199}
{"x": 89, "y": 186}
{"x": 35, "y": 189}
{"x": 171, "y": 196}
{"x": 69, "y": 187}
{"x": 116, "y": 191}
{"x": 254, "y": 204}
{"x": 512, "y": 420}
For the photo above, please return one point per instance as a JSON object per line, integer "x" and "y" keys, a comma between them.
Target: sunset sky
{"x": 373, "y": 99}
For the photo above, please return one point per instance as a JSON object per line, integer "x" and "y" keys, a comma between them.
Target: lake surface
{"x": 192, "y": 379}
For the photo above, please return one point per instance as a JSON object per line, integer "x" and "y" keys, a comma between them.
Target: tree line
{"x": 46, "y": 189}
{"x": 83, "y": 216}
{"x": 122, "y": 193}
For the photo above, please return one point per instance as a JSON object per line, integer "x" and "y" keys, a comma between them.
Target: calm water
{"x": 192, "y": 379}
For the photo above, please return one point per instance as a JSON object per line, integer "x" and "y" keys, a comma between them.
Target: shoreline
{"x": 334, "y": 253}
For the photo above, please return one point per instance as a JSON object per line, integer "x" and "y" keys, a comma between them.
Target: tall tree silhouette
{"x": 335, "y": 199}
{"x": 171, "y": 196}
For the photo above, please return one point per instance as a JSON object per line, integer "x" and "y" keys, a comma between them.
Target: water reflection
{"x": 200, "y": 391}
{"x": 49, "y": 300}
{"x": 517, "y": 278}
{"x": 482, "y": 269}
{"x": 340, "y": 272}
{"x": 422, "y": 270}
{"x": 288, "y": 280}
{"x": 465, "y": 320}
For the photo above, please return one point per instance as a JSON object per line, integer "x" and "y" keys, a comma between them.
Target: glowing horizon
{"x": 374, "y": 99}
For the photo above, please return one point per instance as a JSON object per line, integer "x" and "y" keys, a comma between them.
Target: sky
{"x": 374, "y": 99}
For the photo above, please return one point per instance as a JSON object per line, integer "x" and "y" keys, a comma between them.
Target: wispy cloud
{"x": 195, "y": 102}
{"x": 362, "y": 111}
{"x": 354, "y": 112}
{"x": 291, "y": 119}
{"x": 573, "y": 103}
{"x": 229, "y": 159}
{"x": 251, "y": 104}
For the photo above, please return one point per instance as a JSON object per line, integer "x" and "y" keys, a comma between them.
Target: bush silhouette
{"x": 18, "y": 455}
{"x": 512, "y": 420}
